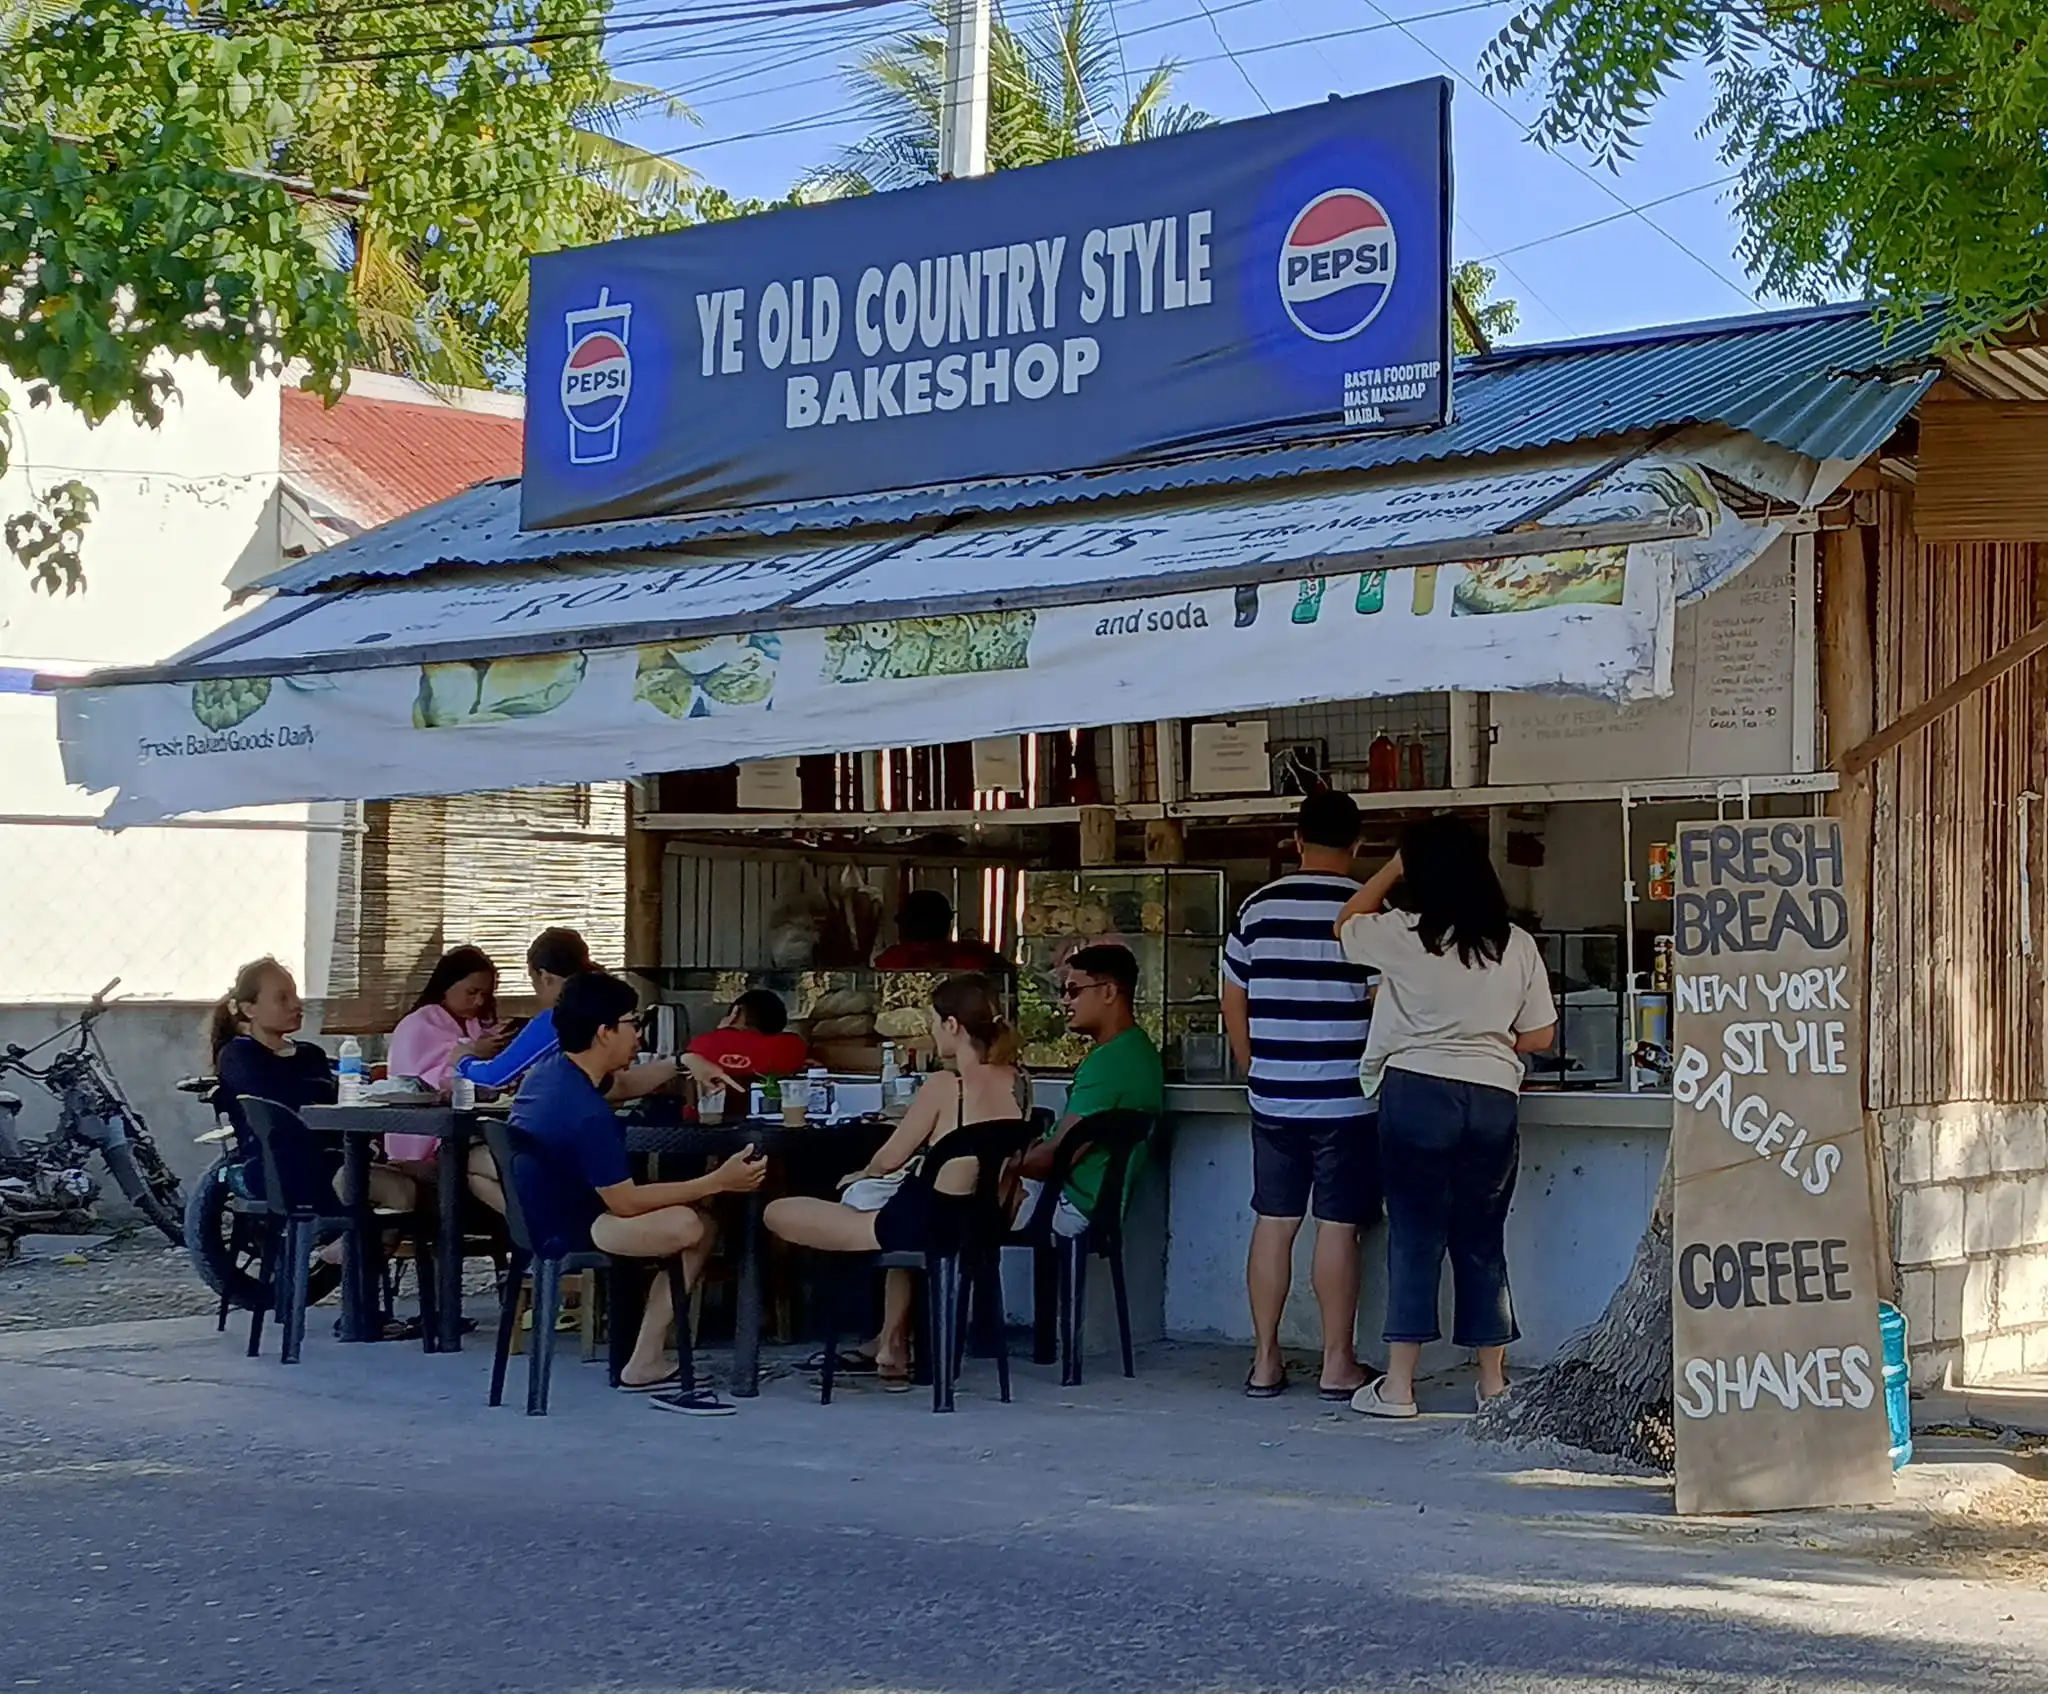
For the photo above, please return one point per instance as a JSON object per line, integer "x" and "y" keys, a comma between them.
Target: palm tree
{"x": 1056, "y": 88}
{"x": 408, "y": 328}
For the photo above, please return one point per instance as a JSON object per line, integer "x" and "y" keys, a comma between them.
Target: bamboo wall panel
{"x": 1957, "y": 941}
{"x": 484, "y": 870}
{"x": 1983, "y": 471}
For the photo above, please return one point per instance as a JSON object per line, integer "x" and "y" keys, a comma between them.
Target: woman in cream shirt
{"x": 1462, "y": 995}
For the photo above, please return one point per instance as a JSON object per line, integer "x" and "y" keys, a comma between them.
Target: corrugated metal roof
{"x": 1826, "y": 382}
{"x": 374, "y": 459}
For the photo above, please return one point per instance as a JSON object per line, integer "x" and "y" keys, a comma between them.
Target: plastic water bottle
{"x": 462, "y": 1093}
{"x": 818, "y": 1099}
{"x": 757, "y": 1101}
{"x": 352, "y": 1074}
{"x": 889, "y": 1070}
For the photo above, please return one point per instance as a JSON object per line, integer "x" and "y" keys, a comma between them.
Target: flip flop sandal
{"x": 1368, "y": 1401}
{"x": 660, "y": 1385}
{"x": 1265, "y": 1390}
{"x": 698, "y": 1403}
{"x": 846, "y": 1364}
{"x": 895, "y": 1382}
{"x": 1342, "y": 1396}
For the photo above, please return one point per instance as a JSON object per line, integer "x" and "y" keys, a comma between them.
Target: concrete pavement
{"x": 176, "y": 1517}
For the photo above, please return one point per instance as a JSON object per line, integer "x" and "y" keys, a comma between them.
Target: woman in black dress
{"x": 985, "y": 1084}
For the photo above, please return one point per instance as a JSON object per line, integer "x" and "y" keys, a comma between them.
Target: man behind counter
{"x": 753, "y": 1040}
{"x": 924, "y": 928}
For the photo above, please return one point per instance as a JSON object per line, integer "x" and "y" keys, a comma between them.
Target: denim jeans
{"x": 1448, "y": 1157}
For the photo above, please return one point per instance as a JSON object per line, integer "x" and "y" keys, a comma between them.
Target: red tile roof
{"x": 375, "y": 459}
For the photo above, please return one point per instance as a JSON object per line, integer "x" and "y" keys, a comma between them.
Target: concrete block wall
{"x": 1969, "y": 1184}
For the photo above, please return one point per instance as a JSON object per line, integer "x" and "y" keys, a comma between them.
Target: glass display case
{"x": 1170, "y": 917}
{"x": 1586, "y": 979}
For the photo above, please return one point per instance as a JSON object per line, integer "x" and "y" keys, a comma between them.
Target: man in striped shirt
{"x": 1296, "y": 1010}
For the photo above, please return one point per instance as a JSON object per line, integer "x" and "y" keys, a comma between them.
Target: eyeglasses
{"x": 630, "y": 1021}
{"x": 1072, "y": 990}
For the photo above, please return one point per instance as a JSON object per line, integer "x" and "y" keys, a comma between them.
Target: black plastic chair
{"x": 298, "y": 1203}
{"x": 963, "y": 1276}
{"x": 547, "y": 1262}
{"x": 1120, "y": 1134}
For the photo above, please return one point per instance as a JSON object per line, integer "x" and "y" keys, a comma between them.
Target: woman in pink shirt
{"x": 455, "y": 1017}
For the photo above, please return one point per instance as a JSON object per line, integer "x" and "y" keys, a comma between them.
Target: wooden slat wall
{"x": 1957, "y": 1007}
{"x": 719, "y": 904}
{"x": 1983, "y": 471}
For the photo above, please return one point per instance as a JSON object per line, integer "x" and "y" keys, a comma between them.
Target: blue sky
{"x": 1240, "y": 57}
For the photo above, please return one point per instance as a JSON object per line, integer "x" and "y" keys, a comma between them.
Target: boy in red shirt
{"x": 753, "y": 1042}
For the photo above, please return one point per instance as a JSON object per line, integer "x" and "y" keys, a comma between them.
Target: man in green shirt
{"x": 1121, "y": 1072}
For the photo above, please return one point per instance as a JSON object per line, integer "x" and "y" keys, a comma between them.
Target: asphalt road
{"x": 173, "y": 1517}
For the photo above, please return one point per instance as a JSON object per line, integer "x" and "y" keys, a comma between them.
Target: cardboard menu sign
{"x": 771, "y": 785}
{"x": 1229, "y": 758}
{"x": 1777, "y": 1368}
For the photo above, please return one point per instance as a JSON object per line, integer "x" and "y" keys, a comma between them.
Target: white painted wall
{"x": 172, "y": 911}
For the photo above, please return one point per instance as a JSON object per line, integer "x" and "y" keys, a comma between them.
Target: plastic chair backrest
{"x": 513, "y": 1148}
{"x": 1119, "y": 1133}
{"x": 991, "y": 1144}
{"x": 295, "y": 1177}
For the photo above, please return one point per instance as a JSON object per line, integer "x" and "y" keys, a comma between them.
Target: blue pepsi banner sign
{"x": 1202, "y": 290}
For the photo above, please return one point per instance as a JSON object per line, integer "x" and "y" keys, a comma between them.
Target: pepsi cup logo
{"x": 1337, "y": 264}
{"x": 597, "y": 380}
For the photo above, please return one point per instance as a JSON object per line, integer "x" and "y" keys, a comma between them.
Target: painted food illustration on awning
{"x": 1591, "y": 576}
{"x": 903, "y": 649}
{"x": 223, "y": 702}
{"x": 480, "y": 691}
{"x": 699, "y": 679}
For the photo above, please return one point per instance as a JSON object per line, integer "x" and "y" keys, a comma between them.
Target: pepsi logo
{"x": 1337, "y": 264}
{"x": 597, "y": 380}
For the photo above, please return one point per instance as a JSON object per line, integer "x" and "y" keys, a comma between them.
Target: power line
{"x": 600, "y": 31}
{"x": 1216, "y": 30}
{"x": 1611, "y": 217}
{"x": 1705, "y": 265}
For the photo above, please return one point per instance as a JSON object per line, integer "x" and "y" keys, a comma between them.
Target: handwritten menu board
{"x": 1729, "y": 712}
{"x": 1777, "y": 1371}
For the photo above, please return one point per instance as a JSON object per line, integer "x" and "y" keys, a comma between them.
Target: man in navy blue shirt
{"x": 583, "y": 1194}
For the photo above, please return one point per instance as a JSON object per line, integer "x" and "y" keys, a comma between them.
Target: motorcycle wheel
{"x": 160, "y": 1203}
{"x": 231, "y": 1262}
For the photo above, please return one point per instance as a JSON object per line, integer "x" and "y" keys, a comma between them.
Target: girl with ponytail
{"x": 883, "y": 1213}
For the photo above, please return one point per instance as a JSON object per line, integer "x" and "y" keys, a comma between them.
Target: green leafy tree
{"x": 1898, "y": 147}
{"x": 250, "y": 182}
{"x": 1472, "y": 285}
{"x": 1055, "y": 89}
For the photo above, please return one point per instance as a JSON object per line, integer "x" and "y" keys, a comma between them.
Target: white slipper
{"x": 1368, "y": 1401}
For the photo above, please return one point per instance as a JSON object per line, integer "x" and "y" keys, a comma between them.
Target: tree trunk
{"x": 1609, "y": 1388}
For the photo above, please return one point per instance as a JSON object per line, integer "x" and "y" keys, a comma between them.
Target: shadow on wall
{"x": 149, "y": 1046}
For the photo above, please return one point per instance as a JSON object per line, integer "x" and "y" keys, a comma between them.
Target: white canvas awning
{"x": 1561, "y": 576}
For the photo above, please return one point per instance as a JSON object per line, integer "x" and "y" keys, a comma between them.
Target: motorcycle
{"x": 45, "y": 1184}
{"x": 224, "y": 1224}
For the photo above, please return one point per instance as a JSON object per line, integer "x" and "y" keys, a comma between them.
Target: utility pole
{"x": 963, "y": 115}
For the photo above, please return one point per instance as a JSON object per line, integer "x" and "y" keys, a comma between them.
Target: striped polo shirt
{"x": 1308, "y": 1005}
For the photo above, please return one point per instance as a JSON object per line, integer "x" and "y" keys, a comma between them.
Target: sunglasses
{"x": 1072, "y": 990}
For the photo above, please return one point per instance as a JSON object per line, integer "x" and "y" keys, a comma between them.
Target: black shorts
{"x": 1335, "y": 1160}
